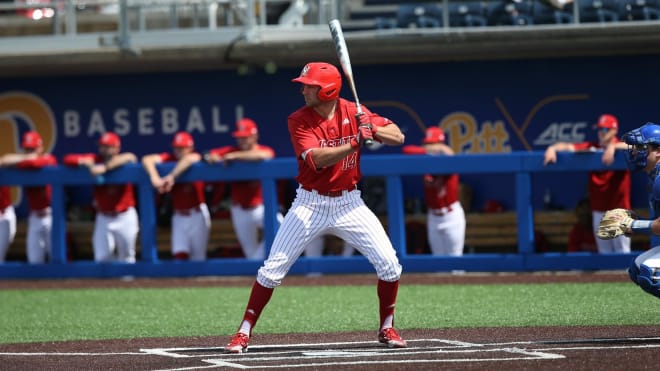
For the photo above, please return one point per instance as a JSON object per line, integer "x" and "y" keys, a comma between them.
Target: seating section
{"x": 384, "y": 14}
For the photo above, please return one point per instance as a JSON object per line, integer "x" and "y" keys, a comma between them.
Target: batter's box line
{"x": 176, "y": 352}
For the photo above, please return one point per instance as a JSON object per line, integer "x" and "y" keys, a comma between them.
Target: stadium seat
{"x": 544, "y": 13}
{"x": 419, "y": 15}
{"x": 467, "y": 14}
{"x": 510, "y": 12}
{"x": 634, "y": 10}
{"x": 599, "y": 11}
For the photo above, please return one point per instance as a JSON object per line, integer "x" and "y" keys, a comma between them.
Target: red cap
{"x": 245, "y": 128}
{"x": 608, "y": 122}
{"x": 109, "y": 139}
{"x": 434, "y": 135}
{"x": 31, "y": 140}
{"x": 182, "y": 139}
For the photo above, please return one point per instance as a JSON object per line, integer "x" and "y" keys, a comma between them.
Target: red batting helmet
{"x": 182, "y": 139}
{"x": 324, "y": 75}
{"x": 31, "y": 140}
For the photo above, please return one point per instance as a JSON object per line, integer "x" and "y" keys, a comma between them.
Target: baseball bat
{"x": 345, "y": 61}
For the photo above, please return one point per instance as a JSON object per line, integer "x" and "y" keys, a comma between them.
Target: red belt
{"x": 247, "y": 207}
{"x": 41, "y": 213}
{"x": 329, "y": 193}
{"x": 113, "y": 213}
{"x": 441, "y": 212}
{"x": 187, "y": 212}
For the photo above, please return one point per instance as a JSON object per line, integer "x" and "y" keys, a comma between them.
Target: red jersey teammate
{"x": 608, "y": 189}
{"x": 40, "y": 221}
{"x": 327, "y": 138}
{"x": 191, "y": 221}
{"x": 116, "y": 225}
{"x": 445, "y": 221}
{"x": 7, "y": 222}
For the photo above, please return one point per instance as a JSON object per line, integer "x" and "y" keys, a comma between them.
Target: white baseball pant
{"x": 116, "y": 232}
{"x": 7, "y": 230}
{"x": 446, "y": 232}
{"x": 38, "y": 242}
{"x": 347, "y": 217}
{"x": 190, "y": 232}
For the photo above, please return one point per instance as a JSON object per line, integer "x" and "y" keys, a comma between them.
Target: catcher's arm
{"x": 619, "y": 222}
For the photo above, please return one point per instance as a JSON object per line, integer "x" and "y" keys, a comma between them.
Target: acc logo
{"x": 572, "y": 132}
{"x": 20, "y": 112}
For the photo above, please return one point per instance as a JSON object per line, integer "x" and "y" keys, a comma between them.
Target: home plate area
{"x": 421, "y": 354}
{"x": 343, "y": 354}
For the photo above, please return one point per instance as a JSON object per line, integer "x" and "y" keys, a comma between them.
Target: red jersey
{"x": 439, "y": 190}
{"x": 185, "y": 196}
{"x": 108, "y": 198}
{"x": 608, "y": 189}
{"x": 309, "y": 130}
{"x": 247, "y": 193}
{"x": 38, "y": 197}
{"x": 5, "y": 202}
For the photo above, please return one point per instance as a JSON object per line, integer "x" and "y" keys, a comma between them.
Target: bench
{"x": 222, "y": 241}
{"x": 485, "y": 233}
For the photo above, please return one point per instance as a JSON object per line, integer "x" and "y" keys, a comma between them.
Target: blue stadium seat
{"x": 545, "y": 13}
{"x": 634, "y": 10}
{"x": 467, "y": 14}
{"x": 510, "y": 12}
{"x": 599, "y": 11}
{"x": 419, "y": 15}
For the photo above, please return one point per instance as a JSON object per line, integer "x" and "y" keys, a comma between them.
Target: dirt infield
{"x": 548, "y": 348}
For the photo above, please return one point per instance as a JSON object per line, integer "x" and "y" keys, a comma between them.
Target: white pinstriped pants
{"x": 347, "y": 217}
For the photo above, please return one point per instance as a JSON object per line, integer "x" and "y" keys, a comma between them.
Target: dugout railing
{"x": 521, "y": 165}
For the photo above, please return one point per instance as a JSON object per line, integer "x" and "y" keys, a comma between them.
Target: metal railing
{"x": 520, "y": 165}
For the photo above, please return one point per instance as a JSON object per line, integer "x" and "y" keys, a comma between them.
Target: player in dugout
{"x": 191, "y": 220}
{"x": 40, "y": 221}
{"x": 116, "y": 224}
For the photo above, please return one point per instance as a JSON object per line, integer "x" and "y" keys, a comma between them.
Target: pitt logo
{"x": 20, "y": 112}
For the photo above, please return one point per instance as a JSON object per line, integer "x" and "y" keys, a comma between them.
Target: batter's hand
{"x": 615, "y": 223}
{"x": 365, "y": 134}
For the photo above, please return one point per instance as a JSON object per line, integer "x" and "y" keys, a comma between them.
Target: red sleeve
{"x": 583, "y": 146}
{"x": 301, "y": 139}
{"x": 221, "y": 151}
{"x": 74, "y": 159}
{"x": 413, "y": 150}
{"x": 266, "y": 149}
{"x": 38, "y": 163}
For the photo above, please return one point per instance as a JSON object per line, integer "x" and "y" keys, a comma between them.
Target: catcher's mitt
{"x": 615, "y": 223}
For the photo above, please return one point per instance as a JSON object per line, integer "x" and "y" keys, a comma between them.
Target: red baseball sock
{"x": 387, "y": 292}
{"x": 259, "y": 297}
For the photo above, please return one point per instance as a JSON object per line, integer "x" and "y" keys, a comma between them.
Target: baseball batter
{"x": 247, "y": 210}
{"x": 327, "y": 138}
{"x": 608, "y": 189}
{"x": 445, "y": 220}
{"x": 40, "y": 220}
{"x": 643, "y": 155}
{"x": 116, "y": 225}
{"x": 191, "y": 220}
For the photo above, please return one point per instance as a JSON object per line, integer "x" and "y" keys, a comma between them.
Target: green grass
{"x": 65, "y": 314}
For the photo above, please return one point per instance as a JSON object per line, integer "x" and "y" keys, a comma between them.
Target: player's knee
{"x": 648, "y": 278}
{"x": 390, "y": 273}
